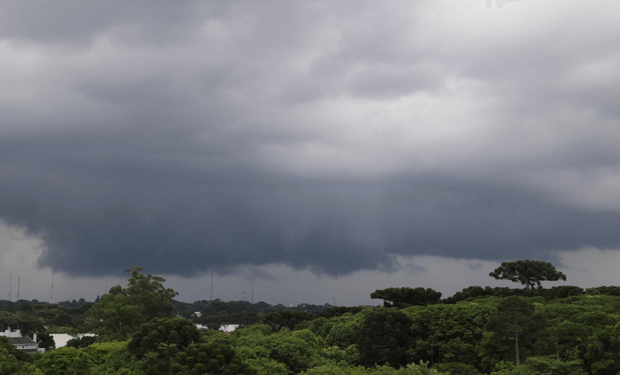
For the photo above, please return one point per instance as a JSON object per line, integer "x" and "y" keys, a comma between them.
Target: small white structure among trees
{"x": 20, "y": 342}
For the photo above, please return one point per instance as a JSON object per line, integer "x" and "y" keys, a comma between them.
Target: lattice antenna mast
{"x": 10, "y": 285}
{"x": 211, "y": 287}
{"x": 252, "y": 293}
{"x": 244, "y": 295}
{"x": 18, "y": 279}
{"x": 52, "y": 292}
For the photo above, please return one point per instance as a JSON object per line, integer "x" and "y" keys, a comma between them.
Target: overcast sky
{"x": 314, "y": 149}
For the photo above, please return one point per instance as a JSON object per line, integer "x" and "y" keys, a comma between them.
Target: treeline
{"x": 44, "y": 319}
{"x": 563, "y": 330}
{"x": 73, "y": 316}
{"x": 555, "y": 292}
{"x": 406, "y": 297}
{"x": 216, "y": 313}
{"x": 67, "y": 315}
{"x": 29, "y": 305}
{"x": 576, "y": 335}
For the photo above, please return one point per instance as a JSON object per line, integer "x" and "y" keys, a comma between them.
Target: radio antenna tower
{"x": 211, "y": 287}
{"x": 52, "y": 293}
{"x": 244, "y": 296}
{"x": 10, "y": 285}
{"x": 18, "y": 278}
{"x": 252, "y": 293}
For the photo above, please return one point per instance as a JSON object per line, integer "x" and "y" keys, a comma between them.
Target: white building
{"x": 61, "y": 339}
{"x": 20, "y": 342}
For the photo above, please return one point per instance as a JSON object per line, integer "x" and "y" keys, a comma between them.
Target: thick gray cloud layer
{"x": 204, "y": 135}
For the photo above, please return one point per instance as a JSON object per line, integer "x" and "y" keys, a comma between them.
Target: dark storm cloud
{"x": 485, "y": 221}
{"x": 79, "y": 22}
{"x": 195, "y": 136}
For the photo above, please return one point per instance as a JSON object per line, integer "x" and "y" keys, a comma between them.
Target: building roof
{"x": 61, "y": 339}
{"x": 24, "y": 340}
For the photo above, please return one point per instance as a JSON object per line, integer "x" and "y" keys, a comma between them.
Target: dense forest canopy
{"x": 480, "y": 330}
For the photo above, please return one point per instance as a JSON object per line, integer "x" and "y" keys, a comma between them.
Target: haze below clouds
{"x": 342, "y": 144}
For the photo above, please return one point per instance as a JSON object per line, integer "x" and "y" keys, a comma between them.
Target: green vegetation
{"x": 403, "y": 297}
{"x": 123, "y": 310}
{"x": 527, "y": 272}
{"x": 140, "y": 330}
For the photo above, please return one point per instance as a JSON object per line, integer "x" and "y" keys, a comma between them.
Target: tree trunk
{"x": 557, "y": 345}
{"x": 518, "y": 362}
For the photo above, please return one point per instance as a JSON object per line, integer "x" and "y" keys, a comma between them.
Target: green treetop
{"x": 402, "y": 297}
{"x": 120, "y": 312}
{"x": 528, "y": 272}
